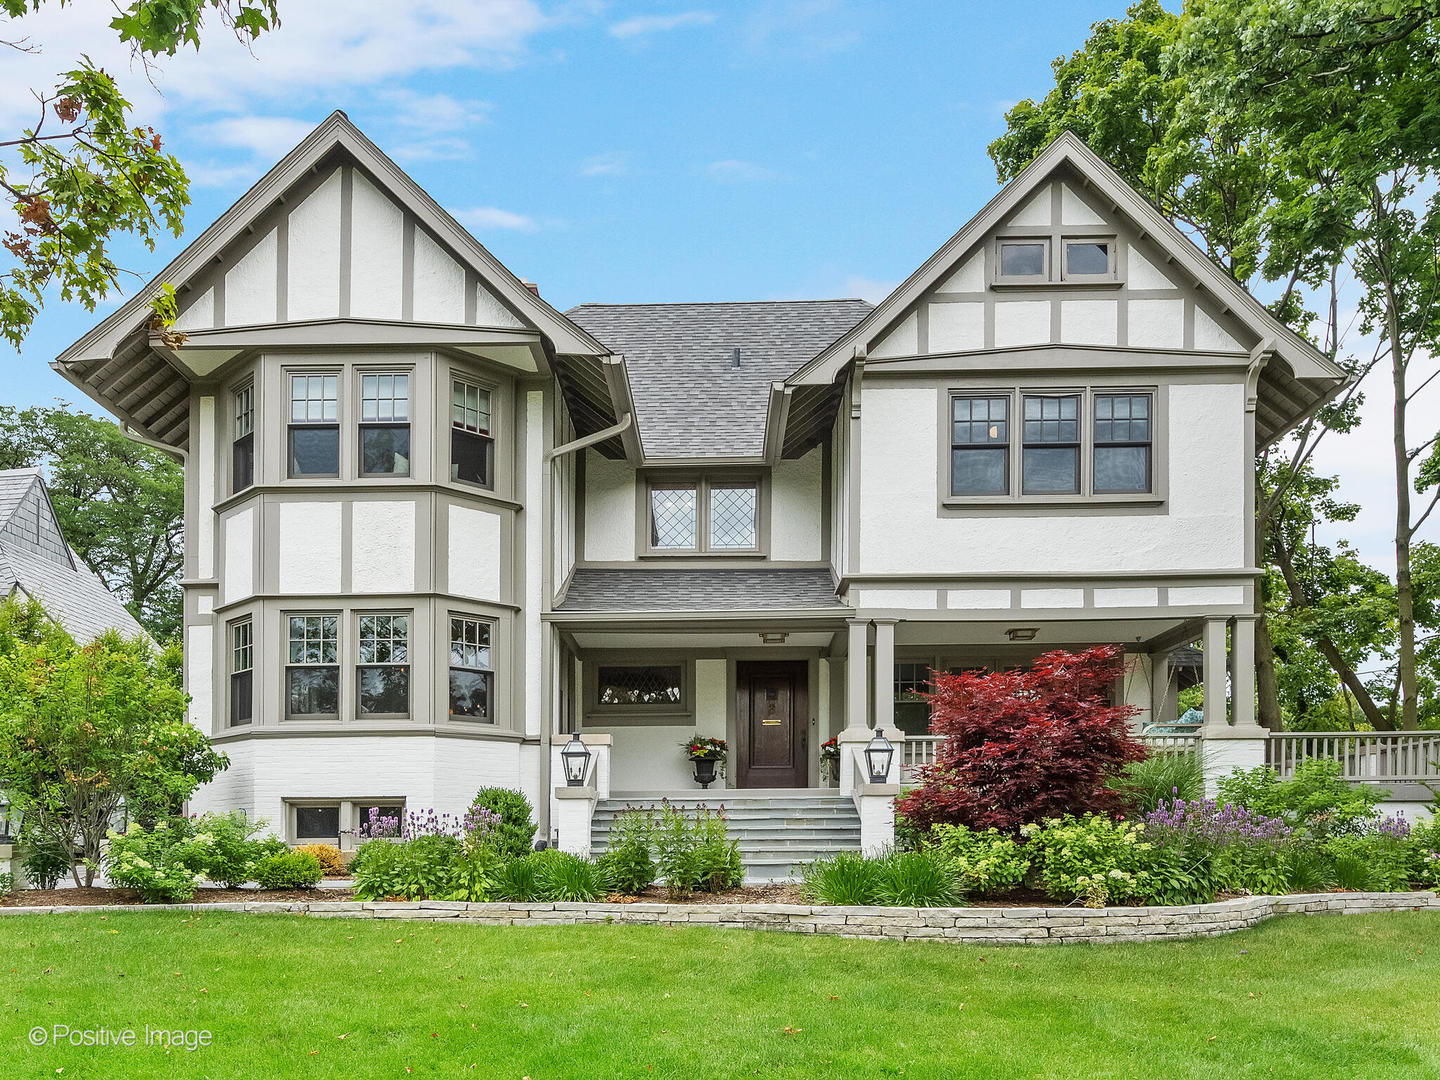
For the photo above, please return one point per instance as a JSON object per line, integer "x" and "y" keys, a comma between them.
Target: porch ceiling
{"x": 670, "y": 639}
{"x": 1051, "y": 634}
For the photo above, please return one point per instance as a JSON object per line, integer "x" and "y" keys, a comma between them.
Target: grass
{"x": 306, "y": 999}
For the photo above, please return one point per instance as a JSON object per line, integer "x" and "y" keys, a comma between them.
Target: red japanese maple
{"x": 1022, "y": 746}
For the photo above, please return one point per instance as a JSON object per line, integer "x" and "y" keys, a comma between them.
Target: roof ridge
{"x": 716, "y": 303}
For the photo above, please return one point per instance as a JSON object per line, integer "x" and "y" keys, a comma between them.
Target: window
{"x": 314, "y": 435}
{"x": 242, "y": 672}
{"x": 312, "y": 676}
{"x": 472, "y": 681}
{"x": 1122, "y": 443}
{"x": 1022, "y": 259}
{"x": 1050, "y": 455}
{"x": 318, "y": 823}
{"x": 704, "y": 516}
{"x": 673, "y": 518}
{"x": 385, "y": 425}
{"x": 1087, "y": 258}
{"x": 646, "y": 686}
{"x": 912, "y": 710}
{"x": 383, "y": 673}
{"x": 242, "y": 460}
{"x": 472, "y": 447}
{"x": 980, "y": 446}
{"x": 379, "y": 819}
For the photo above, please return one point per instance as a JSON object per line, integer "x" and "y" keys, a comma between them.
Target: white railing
{"x": 1373, "y": 755}
{"x": 915, "y": 751}
{"x": 1171, "y": 744}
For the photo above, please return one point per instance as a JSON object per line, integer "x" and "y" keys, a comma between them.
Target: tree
{"x": 88, "y": 730}
{"x": 1021, "y": 746}
{"x": 84, "y": 172}
{"x": 121, "y": 504}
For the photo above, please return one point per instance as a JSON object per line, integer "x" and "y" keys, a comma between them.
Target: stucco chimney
{"x": 531, "y": 286}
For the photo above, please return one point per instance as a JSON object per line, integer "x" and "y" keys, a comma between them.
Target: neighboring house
{"x": 36, "y": 562}
{"x": 434, "y": 525}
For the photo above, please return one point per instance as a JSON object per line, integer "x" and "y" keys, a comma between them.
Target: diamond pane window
{"x": 673, "y": 517}
{"x": 653, "y": 685}
{"x": 732, "y": 517}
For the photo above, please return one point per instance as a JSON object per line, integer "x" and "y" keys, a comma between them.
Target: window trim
{"x": 339, "y": 665}
{"x": 1006, "y": 447}
{"x": 702, "y": 482}
{"x": 592, "y": 712}
{"x": 491, "y": 719}
{"x": 361, "y": 424}
{"x": 1055, "y": 238}
{"x": 1087, "y": 496}
{"x": 1078, "y": 444}
{"x": 460, "y": 375}
{"x": 289, "y": 375}
{"x": 231, "y": 629}
{"x": 1047, "y": 260}
{"x": 1112, "y": 246}
{"x": 349, "y": 807}
{"x": 409, "y": 664}
{"x": 1149, "y": 444}
{"x": 248, "y": 386}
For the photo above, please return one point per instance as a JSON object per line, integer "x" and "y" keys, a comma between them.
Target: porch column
{"x": 857, "y": 677}
{"x": 885, "y": 674}
{"x": 1213, "y": 646}
{"x": 1160, "y": 711}
{"x": 1242, "y": 672}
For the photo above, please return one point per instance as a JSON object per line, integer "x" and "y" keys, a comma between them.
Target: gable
{"x": 31, "y": 527}
{"x": 1141, "y": 302}
{"x": 341, "y": 248}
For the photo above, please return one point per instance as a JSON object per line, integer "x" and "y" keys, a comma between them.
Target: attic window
{"x": 1023, "y": 260}
{"x": 1087, "y": 258}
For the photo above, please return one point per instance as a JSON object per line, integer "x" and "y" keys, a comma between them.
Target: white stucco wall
{"x": 200, "y": 674}
{"x": 1202, "y": 525}
{"x": 376, "y": 252}
{"x": 250, "y": 285}
{"x": 647, "y": 757}
{"x": 474, "y": 553}
{"x": 239, "y": 542}
{"x": 609, "y": 509}
{"x": 382, "y": 548}
{"x": 795, "y": 509}
{"x": 309, "y": 547}
{"x": 312, "y": 279}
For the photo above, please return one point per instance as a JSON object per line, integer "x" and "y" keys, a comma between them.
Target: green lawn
{"x": 291, "y": 998}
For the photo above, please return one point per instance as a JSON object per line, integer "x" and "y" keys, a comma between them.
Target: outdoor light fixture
{"x": 5, "y": 837}
{"x": 773, "y": 637}
{"x": 577, "y": 761}
{"x": 878, "y": 756}
{"x": 1022, "y": 633}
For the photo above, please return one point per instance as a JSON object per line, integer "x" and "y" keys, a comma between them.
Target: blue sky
{"x": 621, "y": 151}
{"x": 629, "y": 151}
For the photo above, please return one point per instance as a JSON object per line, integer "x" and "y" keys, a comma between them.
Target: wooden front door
{"x": 772, "y": 724}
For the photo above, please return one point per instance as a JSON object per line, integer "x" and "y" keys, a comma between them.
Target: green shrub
{"x": 1307, "y": 867}
{"x": 232, "y": 853}
{"x": 1091, "y": 858}
{"x": 1352, "y": 873}
{"x": 1426, "y": 838}
{"x": 1392, "y": 863}
{"x": 986, "y": 862}
{"x": 288, "y": 870}
{"x": 717, "y": 857}
{"x": 627, "y": 855}
{"x": 846, "y": 879}
{"x": 694, "y": 851}
{"x": 916, "y": 879}
{"x": 427, "y": 867}
{"x": 1146, "y": 784}
{"x": 1315, "y": 798}
{"x": 567, "y": 878}
{"x": 161, "y": 864}
{"x": 44, "y": 861}
{"x": 1260, "y": 869}
{"x": 518, "y": 880}
{"x": 514, "y": 835}
{"x": 7, "y": 884}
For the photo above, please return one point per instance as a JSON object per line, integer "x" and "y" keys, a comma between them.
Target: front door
{"x": 772, "y": 723}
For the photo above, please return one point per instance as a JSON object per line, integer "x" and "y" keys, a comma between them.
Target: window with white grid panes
{"x": 313, "y": 440}
{"x": 472, "y": 679}
{"x": 384, "y": 424}
{"x": 472, "y": 445}
{"x": 383, "y": 669}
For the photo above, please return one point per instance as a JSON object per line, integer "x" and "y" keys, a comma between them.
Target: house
{"x": 37, "y": 563}
{"x": 435, "y": 527}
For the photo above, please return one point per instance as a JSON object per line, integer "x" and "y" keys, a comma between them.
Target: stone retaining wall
{"x": 1029, "y": 926}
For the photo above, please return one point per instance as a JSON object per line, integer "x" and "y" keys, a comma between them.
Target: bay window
{"x": 472, "y": 445}
{"x": 384, "y": 424}
{"x": 472, "y": 682}
{"x": 383, "y": 673}
{"x": 312, "y": 674}
{"x": 314, "y": 435}
{"x": 242, "y": 451}
{"x": 242, "y": 672}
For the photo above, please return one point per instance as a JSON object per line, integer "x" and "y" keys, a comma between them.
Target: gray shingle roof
{"x": 30, "y": 561}
{"x": 757, "y": 589}
{"x": 690, "y": 399}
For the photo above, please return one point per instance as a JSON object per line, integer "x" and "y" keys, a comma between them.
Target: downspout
{"x": 610, "y": 432}
{"x": 182, "y": 456}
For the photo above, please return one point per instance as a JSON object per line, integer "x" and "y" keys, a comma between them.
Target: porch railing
{"x": 1372, "y": 755}
{"x": 919, "y": 750}
{"x": 1171, "y": 744}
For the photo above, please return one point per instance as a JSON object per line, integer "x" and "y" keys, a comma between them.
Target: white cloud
{"x": 610, "y": 163}
{"x": 867, "y": 288}
{"x": 493, "y": 217}
{"x": 267, "y": 137}
{"x": 805, "y": 27}
{"x": 642, "y": 25}
{"x": 433, "y": 114}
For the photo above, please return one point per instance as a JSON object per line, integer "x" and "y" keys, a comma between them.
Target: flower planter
{"x": 704, "y": 771}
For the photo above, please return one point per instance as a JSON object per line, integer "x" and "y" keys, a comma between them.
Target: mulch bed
{"x": 94, "y": 897}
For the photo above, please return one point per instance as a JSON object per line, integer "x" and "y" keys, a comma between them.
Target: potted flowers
{"x": 705, "y": 755}
{"x": 830, "y": 760}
